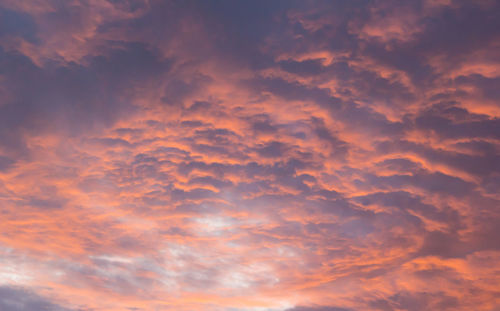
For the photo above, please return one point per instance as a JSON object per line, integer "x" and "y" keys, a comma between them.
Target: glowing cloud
{"x": 249, "y": 155}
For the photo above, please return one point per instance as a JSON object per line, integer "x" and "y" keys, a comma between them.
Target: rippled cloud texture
{"x": 249, "y": 155}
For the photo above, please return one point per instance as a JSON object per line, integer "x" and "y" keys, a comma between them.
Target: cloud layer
{"x": 249, "y": 156}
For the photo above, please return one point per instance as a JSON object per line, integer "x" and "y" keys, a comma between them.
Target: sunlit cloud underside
{"x": 249, "y": 155}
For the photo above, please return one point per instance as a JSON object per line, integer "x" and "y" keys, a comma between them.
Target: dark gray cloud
{"x": 416, "y": 301}
{"x": 20, "y": 299}
{"x": 72, "y": 97}
{"x": 452, "y": 121}
{"x": 17, "y": 24}
{"x": 318, "y": 309}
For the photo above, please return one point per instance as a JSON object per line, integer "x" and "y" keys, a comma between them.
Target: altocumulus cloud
{"x": 222, "y": 155}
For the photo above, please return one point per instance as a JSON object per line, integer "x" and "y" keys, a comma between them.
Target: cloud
{"x": 293, "y": 155}
{"x": 317, "y": 309}
{"x": 19, "y": 299}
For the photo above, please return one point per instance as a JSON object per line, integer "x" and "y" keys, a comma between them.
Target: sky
{"x": 249, "y": 155}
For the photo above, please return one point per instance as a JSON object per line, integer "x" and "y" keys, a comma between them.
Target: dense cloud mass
{"x": 249, "y": 155}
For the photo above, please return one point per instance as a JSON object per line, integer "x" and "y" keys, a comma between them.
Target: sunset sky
{"x": 234, "y": 155}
